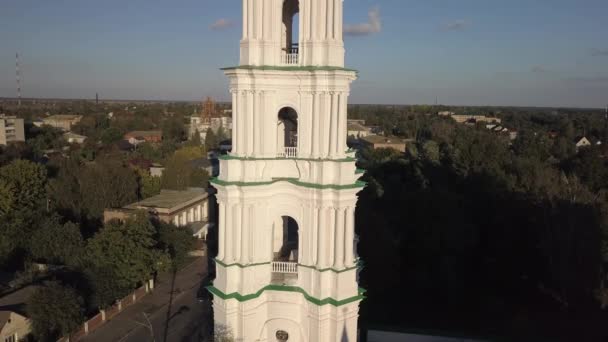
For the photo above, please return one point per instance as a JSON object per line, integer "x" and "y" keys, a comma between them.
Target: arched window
{"x": 288, "y": 251}
{"x": 287, "y": 133}
{"x": 291, "y": 9}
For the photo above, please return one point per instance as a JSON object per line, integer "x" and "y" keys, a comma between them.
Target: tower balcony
{"x": 290, "y": 56}
{"x": 284, "y": 272}
{"x": 288, "y": 153}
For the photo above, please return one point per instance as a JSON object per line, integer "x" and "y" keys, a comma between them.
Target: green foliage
{"x": 176, "y": 242}
{"x": 148, "y": 185}
{"x": 128, "y": 250}
{"x": 56, "y": 243}
{"x": 180, "y": 174}
{"x": 174, "y": 130}
{"x": 7, "y": 198}
{"x": 44, "y": 138}
{"x": 27, "y": 181}
{"x": 111, "y": 135}
{"x": 212, "y": 141}
{"x": 55, "y": 311}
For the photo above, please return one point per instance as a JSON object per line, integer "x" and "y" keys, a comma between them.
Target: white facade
{"x": 287, "y": 193}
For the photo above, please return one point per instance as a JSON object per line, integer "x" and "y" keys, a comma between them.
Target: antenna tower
{"x": 18, "y": 71}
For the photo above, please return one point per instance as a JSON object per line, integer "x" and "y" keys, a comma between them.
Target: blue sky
{"x": 466, "y": 52}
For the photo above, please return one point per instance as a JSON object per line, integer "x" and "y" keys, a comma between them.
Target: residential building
{"x": 475, "y": 119}
{"x": 63, "y": 122}
{"x": 581, "y": 142}
{"x": 287, "y": 263}
{"x": 357, "y": 130}
{"x": 137, "y": 137}
{"x": 14, "y": 323}
{"x": 187, "y": 208}
{"x": 375, "y": 142}
{"x": 11, "y": 130}
{"x": 74, "y": 138}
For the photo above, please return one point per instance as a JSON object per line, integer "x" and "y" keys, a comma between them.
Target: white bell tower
{"x": 287, "y": 264}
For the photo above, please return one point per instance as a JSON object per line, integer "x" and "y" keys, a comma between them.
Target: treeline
{"x": 468, "y": 233}
{"x": 90, "y": 269}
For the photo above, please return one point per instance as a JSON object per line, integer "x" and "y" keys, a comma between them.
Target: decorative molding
{"x": 283, "y": 288}
{"x": 356, "y": 185}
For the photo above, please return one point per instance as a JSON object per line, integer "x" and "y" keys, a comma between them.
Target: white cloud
{"x": 539, "y": 68}
{"x": 222, "y": 24}
{"x": 456, "y": 25}
{"x": 374, "y": 25}
{"x": 599, "y": 52}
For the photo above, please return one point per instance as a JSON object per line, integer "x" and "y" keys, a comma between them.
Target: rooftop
{"x": 377, "y": 139}
{"x": 353, "y": 126}
{"x": 15, "y": 301}
{"x": 169, "y": 199}
{"x": 63, "y": 117}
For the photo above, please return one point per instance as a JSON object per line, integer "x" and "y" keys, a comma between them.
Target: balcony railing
{"x": 290, "y": 56}
{"x": 284, "y": 267}
{"x": 289, "y": 152}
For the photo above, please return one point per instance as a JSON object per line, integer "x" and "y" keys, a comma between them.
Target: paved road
{"x": 171, "y": 313}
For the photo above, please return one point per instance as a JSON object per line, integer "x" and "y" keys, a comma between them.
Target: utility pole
{"x": 18, "y": 72}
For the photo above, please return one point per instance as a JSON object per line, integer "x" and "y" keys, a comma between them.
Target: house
{"x": 14, "y": 323}
{"x": 187, "y": 208}
{"x": 582, "y": 142}
{"x": 156, "y": 170}
{"x": 74, "y": 138}
{"x": 357, "y": 130}
{"x": 11, "y": 130}
{"x": 446, "y": 113}
{"x": 377, "y": 142}
{"x": 137, "y": 137}
{"x": 475, "y": 119}
{"x": 62, "y": 122}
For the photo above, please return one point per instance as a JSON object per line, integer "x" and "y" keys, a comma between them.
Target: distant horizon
{"x": 101, "y": 100}
{"x": 546, "y": 53}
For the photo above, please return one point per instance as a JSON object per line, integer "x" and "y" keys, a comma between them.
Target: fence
{"x": 105, "y": 315}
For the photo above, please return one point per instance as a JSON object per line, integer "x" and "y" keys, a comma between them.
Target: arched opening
{"x": 291, "y": 10}
{"x": 285, "y": 250}
{"x": 288, "y": 250}
{"x": 287, "y": 133}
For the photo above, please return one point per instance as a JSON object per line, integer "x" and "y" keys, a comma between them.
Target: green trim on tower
{"x": 240, "y": 265}
{"x": 359, "y": 171}
{"x": 322, "y": 270}
{"x": 343, "y": 160}
{"x": 356, "y": 185}
{"x": 289, "y": 68}
{"x": 283, "y": 288}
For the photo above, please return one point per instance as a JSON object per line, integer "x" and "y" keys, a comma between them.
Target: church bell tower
{"x": 287, "y": 264}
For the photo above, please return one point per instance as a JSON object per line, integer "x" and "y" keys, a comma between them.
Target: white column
{"x": 335, "y": 128}
{"x": 249, "y": 115}
{"x": 350, "y": 237}
{"x": 340, "y": 19}
{"x": 251, "y": 237}
{"x": 245, "y": 238}
{"x": 243, "y": 123}
{"x": 245, "y": 15}
{"x": 228, "y": 227}
{"x": 237, "y": 228}
{"x": 251, "y": 12}
{"x": 221, "y": 231}
{"x": 342, "y": 118}
{"x": 258, "y": 19}
{"x": 325, "y": 17}
{"x": 313, "y": 19}
{"x": 336, "y": 18}
{"x": 314, "y": 246}
{"x": 260, "y": 123}
{"x": 339, "y": 243}
{"x": 326, "y": 125}
{"x": 256, "y": 124}
{"x": 235, "y": 119}
{"x": 176, "y": 220}
{"x": 331, "y": 236}
{"x": 322, "y": 238}
{"x": 316, "y": 115}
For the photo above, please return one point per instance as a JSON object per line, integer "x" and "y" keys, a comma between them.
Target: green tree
{"x": 212, "y": 141}
{"x": 55, "y": 311}
{"x": 111, "y": 135}
{"x": 176, "y": 242}
{"x": 57, "y": 243}
{"x": 148, "y": 185}
{"x": 27, "y": 180}
{"x": 127, "y": 249}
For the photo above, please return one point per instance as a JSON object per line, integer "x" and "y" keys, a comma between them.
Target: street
{"x": 170, "y": 313}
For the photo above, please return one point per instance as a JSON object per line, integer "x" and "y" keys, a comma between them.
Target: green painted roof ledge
{"x": 320, "y": 302}
{"x": 289, "y": 68}
{"x": 231, "y": 157}
{"x": 356, "y": 185}
{"x": 322, "y": 270}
